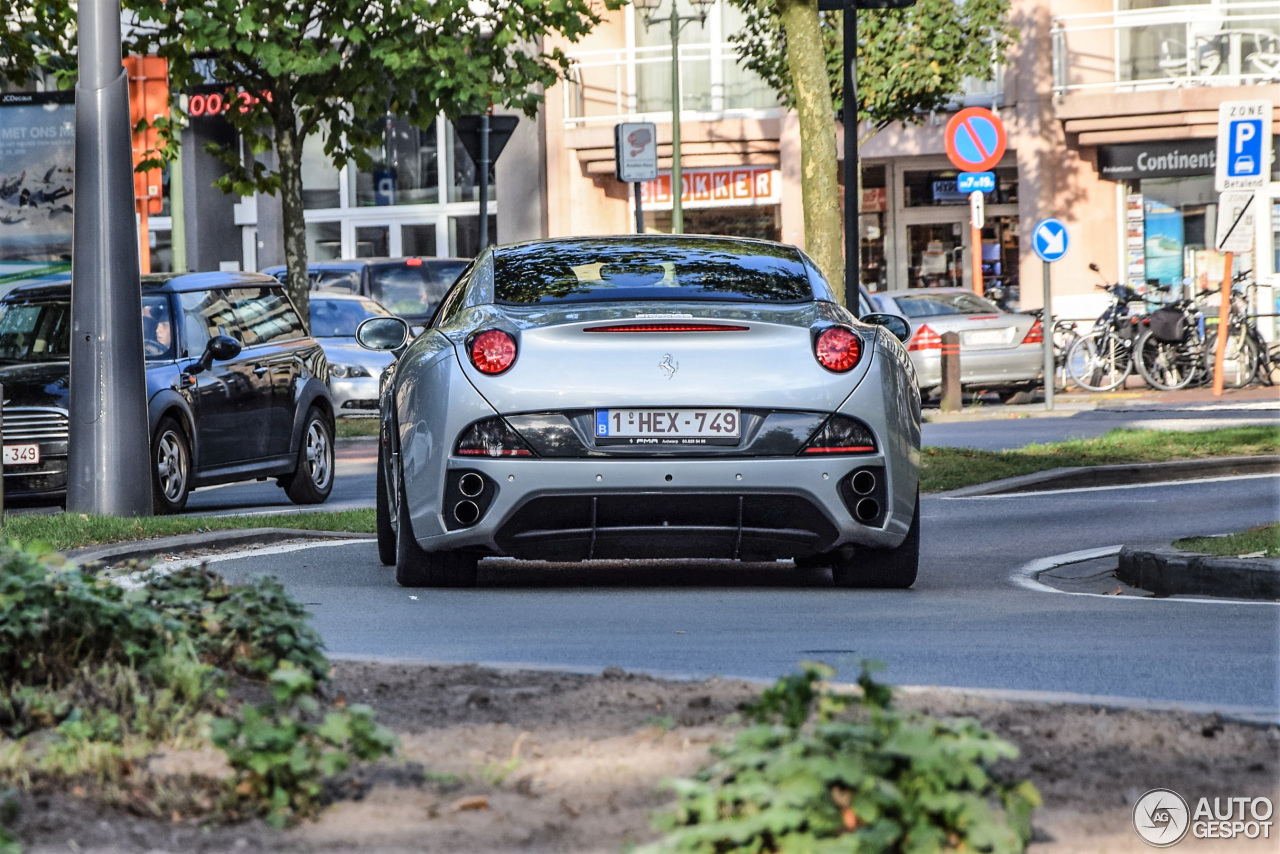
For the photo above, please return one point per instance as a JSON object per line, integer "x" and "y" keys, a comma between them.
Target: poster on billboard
{"x": 37, "y": 153}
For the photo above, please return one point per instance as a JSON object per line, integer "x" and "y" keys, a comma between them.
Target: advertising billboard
{"x": 37, "y": 153}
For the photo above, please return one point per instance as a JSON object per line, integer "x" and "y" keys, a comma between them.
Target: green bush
{"x": 827, "y": 772}
{"x": 111, "y": 672}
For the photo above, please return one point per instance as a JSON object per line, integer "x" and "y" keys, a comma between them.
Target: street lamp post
{"x": 650, "y": 8}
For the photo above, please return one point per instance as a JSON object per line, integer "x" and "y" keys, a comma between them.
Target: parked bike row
{"x": 1167, "y": 342}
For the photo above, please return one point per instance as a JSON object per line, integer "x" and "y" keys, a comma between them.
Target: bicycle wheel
{"x": 1098, "y": 361}
{"x": 1241, "y": 362}
{"x": 1166, "y": 366}
{"x": 1064, "y": 335}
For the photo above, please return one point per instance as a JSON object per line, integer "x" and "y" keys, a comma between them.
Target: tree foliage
{"x": 329, "y": 68}
{"x": 910, "y": 61}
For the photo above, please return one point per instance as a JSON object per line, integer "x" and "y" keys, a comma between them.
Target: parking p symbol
{"x": 1245, "y": 131}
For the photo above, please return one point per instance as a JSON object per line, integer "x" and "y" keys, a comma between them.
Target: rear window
{"x": 933, "y": 305}
{"x": 338, "y": 318}
{"x": 413, "y": 290}
{"x": 610, "y": 270}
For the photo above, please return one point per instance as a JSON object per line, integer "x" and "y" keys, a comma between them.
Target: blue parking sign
{"x": 1244, "y": 145}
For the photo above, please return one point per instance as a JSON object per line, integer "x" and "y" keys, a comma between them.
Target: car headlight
{"x": 343, "y": 372}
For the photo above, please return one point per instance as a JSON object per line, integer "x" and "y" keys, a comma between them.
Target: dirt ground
{"x": 519, "y": 761}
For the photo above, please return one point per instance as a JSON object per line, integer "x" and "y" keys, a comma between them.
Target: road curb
{"x": 1123, "y": 475}
{"x": 1166, "y": 571}
{"x": 144, "y": 549}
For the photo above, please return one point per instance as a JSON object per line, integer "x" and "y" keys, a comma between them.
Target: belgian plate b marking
{"x": 669, "y": 365}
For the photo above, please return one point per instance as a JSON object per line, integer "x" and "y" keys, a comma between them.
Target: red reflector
{"x": 925, "y": 339}
{"x": 1035, "y": 335}
{"x": 413, "y": 262}
{"x": 838, "y": 349}
{"x": 500, "y": 452}
{"x": 851, "y": 449}
{"x": 667, "y": 327}
{"x": 493, "y": 351}
{"x": 984, "y": 317}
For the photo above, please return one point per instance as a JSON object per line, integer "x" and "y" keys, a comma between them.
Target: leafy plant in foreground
{"x": 827, "y": 772}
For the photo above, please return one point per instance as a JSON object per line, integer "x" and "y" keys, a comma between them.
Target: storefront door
{"x": 935, "y": 255}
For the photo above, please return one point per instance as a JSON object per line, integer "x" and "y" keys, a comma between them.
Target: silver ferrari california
{"x": 647, "y": 397}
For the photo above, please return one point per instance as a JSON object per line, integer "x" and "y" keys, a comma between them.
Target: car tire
{"x": 312, "y": 481}
{"x": 170, "y": 468}
{"x": 416, "y": 567}
{"x": 386, "y": 531}
{"x": 881, "y": 568}
{"x": 1018, "y": 396}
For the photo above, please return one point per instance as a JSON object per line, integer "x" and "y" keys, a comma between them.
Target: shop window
{"x": 464, "y": 235}
{"x": 1000, "y": 262}
{"x": 418, "y": 239}
{"x": 324, "y": 241}
{"x": 934, "y": 255}
{"x": 937, "y": 187}
{"x": 373, "y": 241}
{"x": 1178, "y": 216}
{"x": 763, "y": 222}
{"x": 320, "y": 178}
{"x": 871, "y": 228}
{"x": 407, "y": 170}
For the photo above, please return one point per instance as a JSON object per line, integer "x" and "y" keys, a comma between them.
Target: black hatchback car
{"x": 236, "y": 389}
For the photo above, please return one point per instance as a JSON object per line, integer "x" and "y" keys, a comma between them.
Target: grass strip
{"x": 1264, "y": 538}
{"x": 349, "y": 428}
{"x": 952, "y": 468}
{"x": 64, "y": 531}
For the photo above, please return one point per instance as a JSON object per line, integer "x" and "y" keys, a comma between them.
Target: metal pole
{"x": 677, "y": 180}
{"x": 852, "y": 199}
{"x": 975, "y": 242}
{"x": 1046, "y": 323}
{"x": 108, "y": 466}
{"x": 484, "y": 181}
{"x": 1224, "y": 329}
{"x": 177, "y": 213}
{"x": 639, "y": 211}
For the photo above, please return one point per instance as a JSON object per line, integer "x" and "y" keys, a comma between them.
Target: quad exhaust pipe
{"x": 471, "y": 484}
{"x": 867, "y": 509}
{"x": 466, "y": 512}
{"x": 863, "y": 483}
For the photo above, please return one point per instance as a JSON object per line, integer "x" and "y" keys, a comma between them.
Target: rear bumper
{"x": 983, "y": 367}
{"x": 728, "y": 508}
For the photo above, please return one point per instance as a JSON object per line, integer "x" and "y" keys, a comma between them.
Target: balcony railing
{"x": 607, "y": 86}
{"x": 1224, "y": 44}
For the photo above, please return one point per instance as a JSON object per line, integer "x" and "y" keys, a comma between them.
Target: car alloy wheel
{"x": 312, "y": 481}
{"x": 171, "y": 476}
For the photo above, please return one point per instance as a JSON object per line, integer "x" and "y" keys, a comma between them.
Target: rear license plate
{"x": 979, "y": 337}
{"x": 21, "y": 455}
{"x": 668, "y": 426}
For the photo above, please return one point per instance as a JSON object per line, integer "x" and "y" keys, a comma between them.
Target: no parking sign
{"x": 975, "y": 140}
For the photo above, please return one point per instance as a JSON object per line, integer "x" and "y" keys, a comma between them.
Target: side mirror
{"x": 892, "y": 322}
{"x": 383, "y": 333}
{"x": 219, "y": 348}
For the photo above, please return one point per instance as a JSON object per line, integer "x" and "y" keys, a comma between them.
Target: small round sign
{"x": 975, "y": 139}
{"x": 1049, "y": 239}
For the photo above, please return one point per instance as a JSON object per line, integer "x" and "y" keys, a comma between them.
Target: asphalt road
{"x": 966, "y": 623}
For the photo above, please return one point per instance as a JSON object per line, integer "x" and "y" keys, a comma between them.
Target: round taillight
{"x": 838, "y": 349}
{"x": 493, "y": 351}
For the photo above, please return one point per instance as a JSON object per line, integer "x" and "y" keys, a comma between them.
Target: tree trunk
{"x": 289, "y": 151}
{"x": 806, "y": 60}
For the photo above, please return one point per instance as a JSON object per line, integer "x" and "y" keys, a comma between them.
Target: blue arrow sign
{"x": 981, "y": 182}
{"x": 1049, "y": 239}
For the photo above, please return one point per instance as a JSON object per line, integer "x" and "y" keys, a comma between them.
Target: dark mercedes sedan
{"x": 236, "y": 389}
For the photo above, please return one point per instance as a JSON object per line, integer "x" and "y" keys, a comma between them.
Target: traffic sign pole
{"x": 1049, "y": 240}
{"x": 1046, "y": 332}
{"x": 1224, "y": 328}
{"x": 639, "y": 211}
{"x": 976, "y": 221}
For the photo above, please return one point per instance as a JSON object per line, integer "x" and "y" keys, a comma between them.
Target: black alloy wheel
{"x": 170, "y": 468}
{"x": 385, "y": 528}
{"x": 880, "y": 568}
{"x": 312, "y": 481}
{"x": 416, "y": 567}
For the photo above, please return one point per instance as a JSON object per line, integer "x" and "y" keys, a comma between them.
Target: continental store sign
{"x": 1182, "y": 159}
{"x": 713, "y": 188}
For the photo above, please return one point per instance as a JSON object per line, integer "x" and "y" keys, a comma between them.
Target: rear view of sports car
{"x": 647, "y": 397}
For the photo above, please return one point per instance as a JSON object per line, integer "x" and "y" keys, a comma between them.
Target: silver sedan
{"x": 353, "y": 370}
{"x": 998, "y": 350}
{"x": 649, "y": 396}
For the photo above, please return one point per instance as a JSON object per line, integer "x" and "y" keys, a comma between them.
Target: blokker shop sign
{"x": 1157, "y": 160}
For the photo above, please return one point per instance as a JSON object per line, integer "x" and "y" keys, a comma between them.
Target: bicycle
{"x": 1103, "y": 359}
{"x": 1169, "y": 354}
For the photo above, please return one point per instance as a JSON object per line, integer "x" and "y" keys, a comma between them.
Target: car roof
{"x": 358, "y": 263}
{"x": 910, "y": 291}
{"x": 339, "y": 295}
{"x": 641, "y": 240}
{"x": 161, "y": 283}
